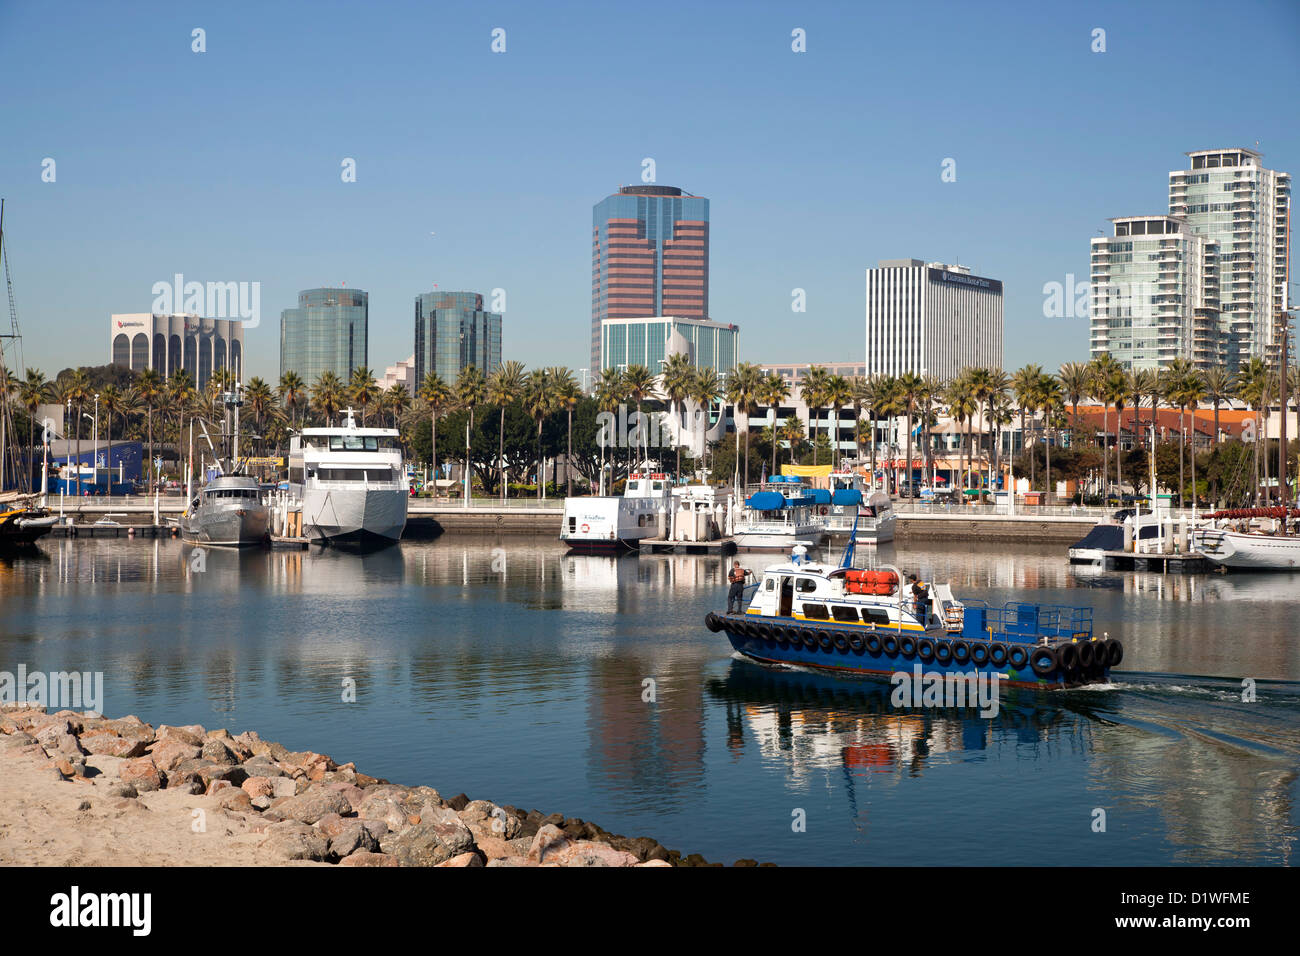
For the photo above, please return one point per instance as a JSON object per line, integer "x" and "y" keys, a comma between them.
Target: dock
{"x": 1185, "y": 562}
{"x": 719, "y": 546}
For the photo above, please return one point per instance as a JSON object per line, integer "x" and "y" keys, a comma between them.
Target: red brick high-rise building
{"x": 649, "y": 256}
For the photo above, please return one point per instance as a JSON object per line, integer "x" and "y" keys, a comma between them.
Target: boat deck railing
{"x": 1017, "y": 619}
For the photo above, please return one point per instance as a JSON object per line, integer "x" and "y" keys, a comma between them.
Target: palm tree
{"x": 909, "y": 389}
{"x": 78, "y": 392}
{"x": 1253, "y": 389}
{"x": 396, "y": 399}
{"x": 471, "y": 392}
{"x": 639, "y": 382}
{"x": 566, "y": 392}
{"x": 876, "y": 392}
{"x": 260, "y": 399}
{"x": 1104, "y": 370}
{"x": 675, "y": 384}
{"x": 292, "y": 391}
{"x": 539, "y": 402}
{"x": 706, "y": 388}
{"x": 1118, "y": 391}
{"x": 1218, "y": 382}
{"x": 1174, "y": 379}
{"x": 932, "y": 388}
{"x": 1136, "y": 387}
{"x": 610, "y": 394}
{"x": 1075, "y": 381}
{"x": 327, "y": 395}
{"x": 962, "y": 406}
{"x": 812, "y": 389}
{"x": 505, "y": 385}
{"x": 1049, "y": 397}
{"x": 1024, "y": 387}
{"x": 33, "y": 391}
{"x": 839, "y": 392}
{"x": 363, "y": 389}
{"x": 743, "y": 386}
{"x": 436, "y": 395}
{"x": 773, "y": 391}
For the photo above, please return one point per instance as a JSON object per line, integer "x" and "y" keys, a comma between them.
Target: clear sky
{"x": 478, "y": 170}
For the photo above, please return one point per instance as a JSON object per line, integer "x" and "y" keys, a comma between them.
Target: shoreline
{"x": 82, "y": 790}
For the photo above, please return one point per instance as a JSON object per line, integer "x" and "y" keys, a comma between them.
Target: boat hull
{"x": 776, "y": 540}
{"x": 354, "y": 518}
{"x": 847, "y": 660}
{"x": 233, "y": 528}
{"x": 578, "y": 545}
{"x": 1249, "y": 552}
{"x": 24, "y": 528}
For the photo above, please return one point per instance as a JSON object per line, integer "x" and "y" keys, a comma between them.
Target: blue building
{"x": 453, "y": 332}
{"x": 327, "y": 332}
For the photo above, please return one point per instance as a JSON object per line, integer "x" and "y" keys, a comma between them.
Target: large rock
{"x": 465, "y": 859}
{"x": 430, "y": 843}
{"x": 142, "y": 774}
{"x": 216, "y": 751}
{"x": 131, "y": 727}
{"x": 587, "y": 853}
{"x": 364, "y": 858}
{"x": 190, "y": 736}
{"x": 170, "y": 751}
{"x": 549, "y": 839}
{"x": 380, "y": 807}
{"x": 353, "y": 838}
{"x": 314, "y": 804}
{"x": 258, "y": 786}
{"x": 492, "y": 819}
{"x": 111, "y": 745}
{"x": 296, "y": 841}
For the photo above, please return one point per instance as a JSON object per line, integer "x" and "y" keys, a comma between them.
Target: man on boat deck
{"x": 736, "y": 593}
{"x": 920, "y": 598}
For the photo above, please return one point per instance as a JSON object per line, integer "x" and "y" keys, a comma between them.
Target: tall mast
{"x": 9, "y": 340}
{"x": 1281, "y": 448}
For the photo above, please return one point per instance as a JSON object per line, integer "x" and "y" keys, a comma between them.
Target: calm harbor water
{"x": 513, "y": 672}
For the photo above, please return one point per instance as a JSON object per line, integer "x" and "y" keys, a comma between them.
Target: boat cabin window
{"x": 362, "y": 442}
{"x": 232, "y": 493}
{"x": 355, "y": 474}
{"x": 873, "y": 616}
{"x": 771, "y": 585}
{"x": 805, "y": 585}
{"x": 815, "y": 611}
{"x": 843, "y": 613}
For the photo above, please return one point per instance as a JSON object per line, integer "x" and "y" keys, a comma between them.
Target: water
{"x": 518, "y": 675}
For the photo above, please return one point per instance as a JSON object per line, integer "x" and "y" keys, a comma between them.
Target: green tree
{"x": 504, "y": 386}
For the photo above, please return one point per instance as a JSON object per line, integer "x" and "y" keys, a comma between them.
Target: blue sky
{"x": 478, "y": 170}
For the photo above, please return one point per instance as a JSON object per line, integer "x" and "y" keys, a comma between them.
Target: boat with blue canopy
{"x": 780, "y": 516}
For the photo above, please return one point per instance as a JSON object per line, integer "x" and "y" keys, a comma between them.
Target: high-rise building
{"x": 1154, "y": 295}
{"x": 1230, "y": 199}
{"x": 403, "y": 374}
{"x": 327, "y": 332}
{"x": 169, "y": 343}
{"x": 452, "y": 332}
{"x": 931, "y": 319}
{"x": 650, "y": 340}
{"x": 649, "y": 257}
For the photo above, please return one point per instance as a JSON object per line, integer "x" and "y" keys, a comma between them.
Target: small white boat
{"x": 779, "y": 520}
{"x": 852, "y": 499}
{"x": 611, "y": 523}
{"x": 1251, "y": 539}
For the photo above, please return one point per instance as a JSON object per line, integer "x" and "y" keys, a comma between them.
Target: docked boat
{"x": 23, "y": 526}
{"x": 1251, "y": 539}
{"x": 351, "y": 483}
{"x": 863, "y": 621}
{"x": 229, "y": 512}
{"x": 613, "y": 523}
{"x": 852, "y": 503}
{"x": 779, "y": 520}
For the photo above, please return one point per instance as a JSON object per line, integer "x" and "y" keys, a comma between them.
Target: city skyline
{"x": 814, "y": 162}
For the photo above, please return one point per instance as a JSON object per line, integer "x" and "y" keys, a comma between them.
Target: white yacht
{"x": 779, "y": 520}
{"x": 1251, "y": 539}
{"x": 851, "y": 499}
{"x": 351, "y": 483}
{"x": 596, "y": 524}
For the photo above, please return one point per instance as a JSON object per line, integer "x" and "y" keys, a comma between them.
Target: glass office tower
{"x": 649, "y": 256}
{"x": 452, "y": 332}
{"x": 327, "y": 332}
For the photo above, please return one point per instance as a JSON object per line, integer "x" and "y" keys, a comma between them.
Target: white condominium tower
{"x": 1233, "y": 201}
{"x": 931, "y": 319}
{"x": 1154, "y": 294}
{"x": 1206, "y": 283}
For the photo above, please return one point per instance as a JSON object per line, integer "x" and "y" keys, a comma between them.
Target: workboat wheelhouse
{"x": 859, "y": 620}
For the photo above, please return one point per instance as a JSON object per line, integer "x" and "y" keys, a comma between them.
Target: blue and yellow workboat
{"x": 866, "y": 621}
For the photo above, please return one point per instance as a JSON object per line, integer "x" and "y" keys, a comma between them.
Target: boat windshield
{"x": 362, "y": 442}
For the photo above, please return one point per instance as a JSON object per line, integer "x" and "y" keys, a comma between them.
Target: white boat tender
{"x": 606, "y": 523}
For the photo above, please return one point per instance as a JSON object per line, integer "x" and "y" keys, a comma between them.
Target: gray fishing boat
{"x": 229, "y": 512}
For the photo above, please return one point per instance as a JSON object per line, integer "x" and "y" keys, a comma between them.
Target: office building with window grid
{"x": 453, "y": 332}
{"x": 327, "y": 332}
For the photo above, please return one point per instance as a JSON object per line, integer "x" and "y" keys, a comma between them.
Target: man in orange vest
{"x": 736, "y": 593}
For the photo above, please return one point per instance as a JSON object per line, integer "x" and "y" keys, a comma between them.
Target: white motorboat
{"x": 610, "y": 523}
{"x": 852, "y": 499}
{"x": 1251, "y": 539}
{"x": 779, "y": 520}
{"x": 351, "y": 483}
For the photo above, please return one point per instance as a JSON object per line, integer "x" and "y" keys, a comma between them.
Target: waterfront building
{"x": 931, "y": 319}
{"x": 453, "y": 332}
{"x": 1154, "y": 295}
{"x": 169, "y": 343}
{"x": 327, "y": 332}
{"x": 650, "y": 340}
{"x": 403, "y": 374}
{"x": 649, "y": 257}
{"x": 1228, "y": 197}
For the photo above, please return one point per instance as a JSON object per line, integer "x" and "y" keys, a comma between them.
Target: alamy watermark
{"x": 1116, "y": 300}
{"x": 54, "y": 690}
{"x": 633, "y": 429}
{"x": 212, "y": 300}
{"x": 968, "y": 689}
